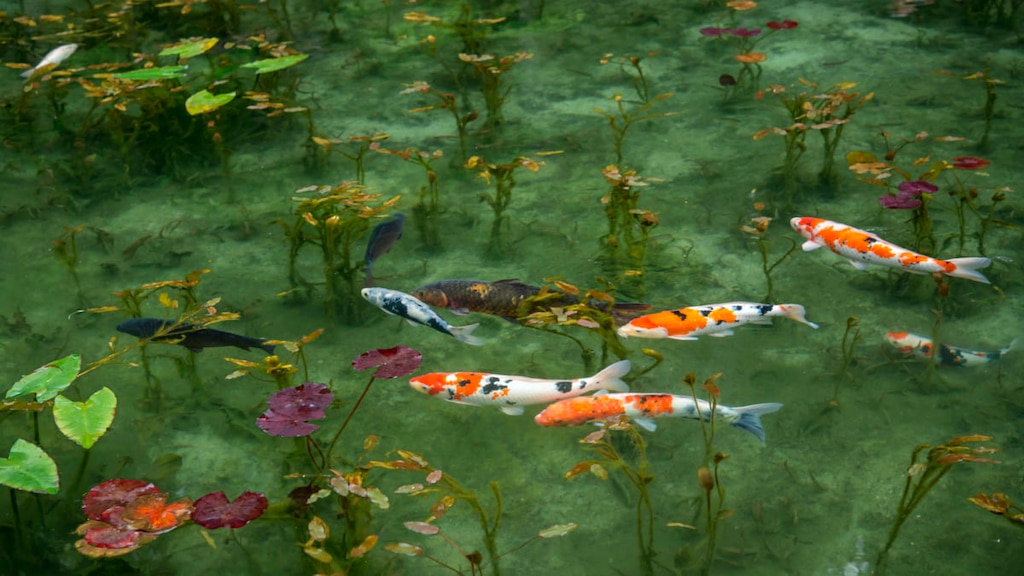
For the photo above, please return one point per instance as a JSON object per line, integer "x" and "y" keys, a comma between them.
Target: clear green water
{"x": 828, "y": 478}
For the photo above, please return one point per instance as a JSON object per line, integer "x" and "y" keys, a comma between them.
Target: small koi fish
{"x": 415, "y": 312}
{"x": 381, "y": 240}
{"x": 52, "y": 59}
{"x": 511, "y": 393}
{"x": 921, "y": 347}
{"x": 711, "y": 320}
{"x": 190, "y": 336}
{"x": 642, "y": 407}
{"x": 862, "y": 248}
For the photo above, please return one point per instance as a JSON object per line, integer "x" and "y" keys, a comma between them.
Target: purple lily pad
{"x": 214, "y": 511}
{"x": 918, "y": 187}
{"x": 112, "y": 496}
{"x": 291, "y": 407}
{"x": 389, "y": 362}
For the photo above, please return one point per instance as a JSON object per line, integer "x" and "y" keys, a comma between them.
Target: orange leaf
{"x": 362, "y": 549}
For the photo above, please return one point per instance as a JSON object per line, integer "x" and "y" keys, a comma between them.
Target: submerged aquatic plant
{"x": 629, "y": 226}
{"x": 923, "y": 476}
{"x": 624, "y": 118}
{"x": 745, "y": 40}
{"x": 428, "y": 207}
{"x": 504, "y": 182}
{"x": 447, "y": 101}
{"x": 1001, "y": 505}
{"x": 758, "y": 228}
{"x": 492, "y": 71}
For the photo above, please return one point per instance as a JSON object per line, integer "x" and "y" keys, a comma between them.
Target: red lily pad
{"x": 101, "y": 540}
{"x": 969, "y": 163}
{"x": 291, "y": 407}
{"x": 102, "y": 499}
{"x": 390, "y": 362}
{"x": 214, "y": 511}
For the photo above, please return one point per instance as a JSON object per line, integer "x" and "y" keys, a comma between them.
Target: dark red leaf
{"x": 214, "y": 511}
{"x": 291, "y": 407}
{"x": 390, "y": 362}
{"x": 108, "y": 536}
{"x": 113, "y": 494}
{"x": 969, "y": 163}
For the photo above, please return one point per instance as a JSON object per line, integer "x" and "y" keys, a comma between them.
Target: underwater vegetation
{"x": 205, "y": 200}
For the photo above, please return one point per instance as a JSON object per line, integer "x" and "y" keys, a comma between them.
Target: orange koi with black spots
{"x": 862, "y": 248}
{"x": 710, "y": 320}
{"x": 511, "y": 393}
{"x": 642, "y": 407}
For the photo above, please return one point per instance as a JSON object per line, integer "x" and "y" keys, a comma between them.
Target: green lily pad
{"x": 204, "y": 101}
{"x": 189, "y": 48}
{"x": 160, "y": 73}
{"x": 49, "y": 380}
{"x": 29, "y": 468}
{"x": 84, "y": 422}
{"x": 275, "y": 64}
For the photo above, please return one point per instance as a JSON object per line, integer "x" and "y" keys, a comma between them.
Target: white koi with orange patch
{"x": 710, "y": 320}
{"x": 862, "y": 248}
{"x": 511, "y": 393}
{"x": 921, "y": 347}
{"x": 642, "y": 407}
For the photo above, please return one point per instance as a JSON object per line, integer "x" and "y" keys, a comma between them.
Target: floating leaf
{"x": 111, "y": 494}
{"x": 390, "y": 362}
{"x": 557, "y": 530}
{"x": 204, "y": 101}
{"x": 422, "y": 528}
{"x": 29, "y": 468}
{"x": 214, "y": 511}
{"x": 275, "y": 64}
{"x": 85, "y": 422}
{"x": 49, "y": 380}
{"x": 159, "y": 73}
{"x": 291, "y": 407}
{"x": 150, "y": 513}
{"x": 105, "y": 541}
{"x": 189, "y": 48}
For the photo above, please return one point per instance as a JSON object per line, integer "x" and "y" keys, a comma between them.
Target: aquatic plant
{"x": 623, "y": 119}
{"x": 447, "y": 101}
{"x": 637, "y": 474}
{"x": 758, "y": 228}
{"x": 504, "y": 182}
{"x": 428, "y": 204}
{"x": 714, "y": 508}
{"x": 989, "y": 108}
{"x": 827, "y": 112}
{"x": 847, "y": 347}
{"x": 1001, "y": 505}
{"x": 745, "y": 40}
{"x": 333, "y": 218}
{"x": 922, "y": 476}
{"x": 492, "y": 72}
{"x": 629, "y": 226}
{"x": 472, "y": 31}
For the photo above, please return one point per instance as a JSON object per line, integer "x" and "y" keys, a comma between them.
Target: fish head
{"x": 431, "y": 294}
{"x": 805, "y": 225}
{"x": 374, "y": 296}
{"x": 642, "y": 327}
{"x": 907, "y": 343}
{"x": 430, "y": 384}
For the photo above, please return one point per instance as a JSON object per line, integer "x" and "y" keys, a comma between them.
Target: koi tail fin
{"x": 464, "y": 334}
{"x": 750, "y": 418}
{"x": 797, "y": 312}
{"x": 967, "y": 268}
{"x": 611, "y": 378}
{"x": 268, "y": 348}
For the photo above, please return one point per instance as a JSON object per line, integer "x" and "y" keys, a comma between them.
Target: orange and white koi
{"x": 642, "y": 407}
{"x": 862, "y": 248}
{"x": 710, "y": 319}
{"x": 921, "y": 347}
{"x": 511, "y": 393}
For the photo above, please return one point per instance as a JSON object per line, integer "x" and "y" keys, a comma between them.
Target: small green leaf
{"x": 84, "y": 422}
{"x": 161, "y": 73}
{"x": 49, "y": 380}
{"x": 275, "y": 64}
{"x": 189, "y": 48}
{"x": 29, "y": 468}
{"x": 205, "y": 101}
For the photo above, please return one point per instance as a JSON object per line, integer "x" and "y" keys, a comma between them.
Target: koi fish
{"x": 711, "y": 320}
{"x": 503, "y": 297}
{"x": 415, "y": 312}
{"x": 642, "y": 407}
{"x": 511, "y": 393}
{"x": 381, "y": 240}
{"x": 921, "y": 347}
{"x": 862, "y": 248}
{"x": 189, "y": 335}
{"x": 52, "y": 59}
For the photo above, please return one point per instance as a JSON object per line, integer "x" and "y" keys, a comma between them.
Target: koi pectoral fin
{"x": 512, "y": 410}
{"x": 810, "y": 245}
{"x": 858, "y": 264}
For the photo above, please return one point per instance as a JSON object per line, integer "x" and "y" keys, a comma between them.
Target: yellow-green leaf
{"x": 85, "y": 422}
{"x": 204, "y": 101}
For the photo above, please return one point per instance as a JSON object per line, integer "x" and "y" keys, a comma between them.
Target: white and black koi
{"x": 417, "y": 313}
{"x": 511, "y": 393}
